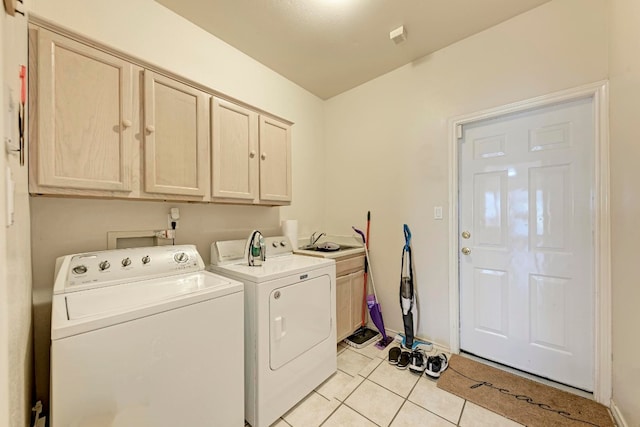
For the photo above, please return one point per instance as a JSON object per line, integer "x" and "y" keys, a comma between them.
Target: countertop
{"x": 341, "y": 240}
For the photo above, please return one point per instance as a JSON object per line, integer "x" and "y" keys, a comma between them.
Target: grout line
{"x": 398, "y": 411}
{"x": 320, "y": 394}
{"x": 430, "y": 411}
{"x": 362, "y": 415}
{"x": 464, "y": 405}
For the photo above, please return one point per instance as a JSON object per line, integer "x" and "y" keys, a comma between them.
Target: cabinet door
{"x": 343, "y": 307}
{"x": 234, "y": 161}
{"x": 84, "y": 135}
{"x": 275, "y": 160}
{"x": 176, "y": 154}
{"x": 357, "y": 291}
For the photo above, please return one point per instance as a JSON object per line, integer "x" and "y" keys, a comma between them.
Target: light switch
{"x": 437, "y": 212}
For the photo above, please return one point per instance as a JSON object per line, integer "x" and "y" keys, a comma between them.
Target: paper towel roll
{"x": 290, "y": 229}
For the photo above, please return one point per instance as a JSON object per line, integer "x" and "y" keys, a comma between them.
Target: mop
{"x": 375, "y": 312}
{"x": 408, "y": 300}
{"x": 363, "y": 336}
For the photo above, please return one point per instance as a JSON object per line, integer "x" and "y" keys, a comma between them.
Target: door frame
{"x": 599, "y": 93}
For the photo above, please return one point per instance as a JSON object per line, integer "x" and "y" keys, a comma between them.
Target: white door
{"x": 300, "y": 316}
{"x": 526, "y": 243}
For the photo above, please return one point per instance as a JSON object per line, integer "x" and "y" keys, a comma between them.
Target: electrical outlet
{"x": 170, "y": 220}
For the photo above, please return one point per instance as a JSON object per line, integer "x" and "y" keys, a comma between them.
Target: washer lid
{"x": 82, "y": 311}
{"x": 273, "y": 268}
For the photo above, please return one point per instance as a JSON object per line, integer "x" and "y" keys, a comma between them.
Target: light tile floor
{"x": 368, "y": 391}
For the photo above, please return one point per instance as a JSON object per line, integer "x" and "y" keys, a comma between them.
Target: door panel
{"x": 275, "y": 160}
{"x": 234, "y": 151}
{"x": 300, "y": 317}
{"x": 175, "y": 137}
{"x": 526, "y": 284}
{"x": 85, "y": 104}
{"x": 343, "y": 307}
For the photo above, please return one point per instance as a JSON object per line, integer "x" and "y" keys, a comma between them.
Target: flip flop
{"x": 405, "y": 358}
{"x": 394, "y": 355}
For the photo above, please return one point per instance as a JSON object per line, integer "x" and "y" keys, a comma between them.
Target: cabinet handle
{"x": 252, "y": 154}
{"x": 151, "y": 128}
{"x": 264, "y": 156}
{"x": 126, "y": 123}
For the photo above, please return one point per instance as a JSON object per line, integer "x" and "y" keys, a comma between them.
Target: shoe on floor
{"x": 405, "y": 358}
{"x": 418, "y": 362}
{"x": 394, "y": 355}
{"x": 436, "y": 365}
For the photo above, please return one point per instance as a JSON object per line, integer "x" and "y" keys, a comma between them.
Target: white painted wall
{"x": 147, "y": 30}
{"x": 387, "y": 145}
{"x": 624, "y": 56}
{"x": 393, "y": 132}
{"x": 15, "y": 257}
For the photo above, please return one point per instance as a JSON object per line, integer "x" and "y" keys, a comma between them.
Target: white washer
{"x": 145, "y": 337}
{"x": 290, "y": 328}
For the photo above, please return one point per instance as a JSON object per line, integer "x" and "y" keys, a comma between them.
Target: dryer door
{"x": 300, "y": 316}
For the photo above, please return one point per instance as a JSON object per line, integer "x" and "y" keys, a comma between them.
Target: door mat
{"x": 520, "y": 399}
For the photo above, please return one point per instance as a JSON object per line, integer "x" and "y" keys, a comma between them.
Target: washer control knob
{"x": 104, "y": 265}
{"x": 181, "y": 257}
{"x": 80, "y": 269}
{"x": 283, "y": 243}
{"x": 274, "y": 244}
{"x": 146, "y": 259}
{"x": 126, "y": 262}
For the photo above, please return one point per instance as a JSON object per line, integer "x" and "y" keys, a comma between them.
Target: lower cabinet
{"x": 349, "y": 290}
{"x": 349, "y": 294}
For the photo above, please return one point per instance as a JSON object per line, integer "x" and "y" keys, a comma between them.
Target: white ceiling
{"x": 330, "y": 46}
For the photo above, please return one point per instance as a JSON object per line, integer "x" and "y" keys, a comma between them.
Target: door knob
{"x": 466, "y": 251}
{"x": 466, "y": 234}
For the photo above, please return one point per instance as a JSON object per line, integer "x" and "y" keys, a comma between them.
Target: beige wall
{"x": 147, "y": 30}
{"x": 5, "y": 367}
{"x": 392, "y": 131}
{"x": 15, "y": 266}
{"x": 625, "y": 203}
{"x": 387, "y": 145}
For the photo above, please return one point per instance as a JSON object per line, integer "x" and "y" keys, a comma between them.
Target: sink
{"x": 321, "y": 248}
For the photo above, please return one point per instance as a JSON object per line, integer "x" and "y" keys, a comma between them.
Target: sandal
{"x": 394, "y": 355}
{"x": 405, "y": 358}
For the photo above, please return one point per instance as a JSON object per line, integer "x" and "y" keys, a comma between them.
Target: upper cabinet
{"x": 84, "y": 118}
{"x": 275, "y": 160}
{"x": 176, "y": 137}
{"x": 251, "y": 155}
{"x": 234, "y": 146}
{"x": 107, "y": 125}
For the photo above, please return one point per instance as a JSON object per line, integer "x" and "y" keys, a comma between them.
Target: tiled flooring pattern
{"x": 368, "y": 391}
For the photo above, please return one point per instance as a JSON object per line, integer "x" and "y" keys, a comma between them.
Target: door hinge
{"x": 459, "y": 131}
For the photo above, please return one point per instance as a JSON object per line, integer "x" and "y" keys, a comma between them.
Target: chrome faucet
{"x": 313, "y": 239}
{"x": 255, "y": 249}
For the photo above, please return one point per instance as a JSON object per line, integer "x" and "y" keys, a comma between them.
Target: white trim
{"x": 617, "y": 415}
{"x": 602, "y": 247}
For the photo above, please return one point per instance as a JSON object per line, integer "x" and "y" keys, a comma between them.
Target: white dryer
{"x": 290, "y": 328}
{"x": 145, "y": 337}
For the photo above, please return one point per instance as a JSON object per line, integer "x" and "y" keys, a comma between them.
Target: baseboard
{"x": 617, "y": 415}
{"x": 437, "y": 346}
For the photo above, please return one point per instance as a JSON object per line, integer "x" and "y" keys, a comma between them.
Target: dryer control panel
{"x": 105, "y": 268}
